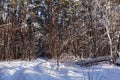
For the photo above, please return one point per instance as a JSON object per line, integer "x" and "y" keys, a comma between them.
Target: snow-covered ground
{"x": 46, "y": 70}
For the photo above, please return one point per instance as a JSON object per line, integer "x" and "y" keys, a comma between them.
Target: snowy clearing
{"x": 46, "y": 70}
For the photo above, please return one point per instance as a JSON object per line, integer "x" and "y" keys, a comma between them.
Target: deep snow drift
{"x": 46, "y": 70}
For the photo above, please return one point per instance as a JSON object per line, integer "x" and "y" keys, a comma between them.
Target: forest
{"x": 59, "y": 29}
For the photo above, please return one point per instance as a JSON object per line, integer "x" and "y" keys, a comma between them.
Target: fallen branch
{"x": 91, "y": 61}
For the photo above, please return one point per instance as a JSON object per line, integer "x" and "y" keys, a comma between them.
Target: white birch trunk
{"x": 107, "y": 26}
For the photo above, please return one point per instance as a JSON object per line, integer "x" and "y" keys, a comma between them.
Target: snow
{"x": 36, "y": 25}
{"x": 118, "y": 60}
{"x": 47, "y": 70}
